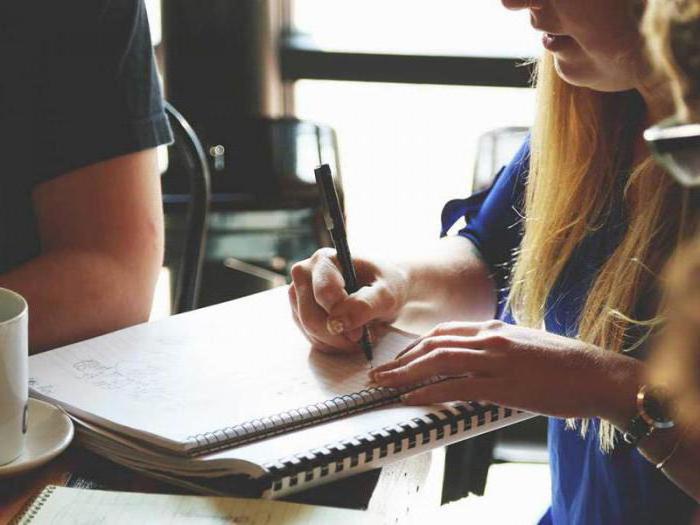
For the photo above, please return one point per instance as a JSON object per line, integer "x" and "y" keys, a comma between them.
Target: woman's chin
{"x": 580, "y": 73}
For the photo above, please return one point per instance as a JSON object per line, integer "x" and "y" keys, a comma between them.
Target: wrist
{"x": 618, "y": 400}
{"x": 407, "y": 276}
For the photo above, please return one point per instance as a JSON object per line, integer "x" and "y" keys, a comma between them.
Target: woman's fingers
{"x": 420, "y": 347}
{"x": 312, "y": 318}
{"x": 457, "y": 389}
{"x": 317, "y": 344}
{"x": 478, "y": 335}
{"x": 423, "y": 346}
{"x": 311, "y": 315}
{"x": 368, "y": 304}
{"x": 441, "y": 363}
{"x": 327, "y": 313}
{"x": 292, "y": 295}
{"x": 327, "y": 281}
{"x": 405, "y": 351}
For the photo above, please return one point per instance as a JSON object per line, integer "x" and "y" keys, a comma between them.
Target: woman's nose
{"x": 522, "y": 4}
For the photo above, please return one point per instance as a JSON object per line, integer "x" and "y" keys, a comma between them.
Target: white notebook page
{"x": 69, "y": 506}
{"x": 199, "y": 372}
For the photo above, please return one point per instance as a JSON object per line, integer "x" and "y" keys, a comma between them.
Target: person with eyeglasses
{"x": 672, "y": 31}
{"x": 551, "y": 292}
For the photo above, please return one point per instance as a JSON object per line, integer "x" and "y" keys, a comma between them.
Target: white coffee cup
{"x": 14, "y": 374}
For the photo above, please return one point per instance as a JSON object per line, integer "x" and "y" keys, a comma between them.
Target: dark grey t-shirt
{"x": 78, "y": 85}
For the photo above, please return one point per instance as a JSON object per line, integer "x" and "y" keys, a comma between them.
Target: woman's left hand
{"x": 516, "y": 367}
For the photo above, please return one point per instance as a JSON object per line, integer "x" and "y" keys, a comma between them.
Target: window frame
{"x": 300, "y": 59}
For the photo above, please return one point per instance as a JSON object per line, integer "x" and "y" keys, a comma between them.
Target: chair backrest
{"x": 268, "y": 163}
{"x": 186, "y": 157}
{"x": 495, "y": 149}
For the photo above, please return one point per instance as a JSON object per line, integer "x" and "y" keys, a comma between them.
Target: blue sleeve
{"x": 494, "y": 218}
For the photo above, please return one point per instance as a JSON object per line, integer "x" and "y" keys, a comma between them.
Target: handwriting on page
{"x": 204, "y": 371}
{"x": 138, "y": 379}
{"x": 141, "y": 379}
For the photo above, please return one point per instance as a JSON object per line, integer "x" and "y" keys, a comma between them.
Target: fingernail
{"x": 354, "y": 335}
{"x": 335, "y": 326}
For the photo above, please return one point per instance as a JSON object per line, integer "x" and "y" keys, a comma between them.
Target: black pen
{"x": 333, "y": 216}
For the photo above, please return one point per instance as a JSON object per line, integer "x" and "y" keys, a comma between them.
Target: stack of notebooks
{"x": 232, "y": 400}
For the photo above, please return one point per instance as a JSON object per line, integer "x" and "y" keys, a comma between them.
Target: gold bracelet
{"x": 660, "y": 465}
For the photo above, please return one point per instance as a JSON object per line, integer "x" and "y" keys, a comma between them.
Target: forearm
{"x": 74, "y": 295}
{"x": 683, "y": 466}
{"x": 449, "y": 281}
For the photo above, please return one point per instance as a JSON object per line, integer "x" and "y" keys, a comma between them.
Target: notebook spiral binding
{"x": 255, "y": 429}
{"x": 30, "y": 511}
{"x": 366, "y": 449}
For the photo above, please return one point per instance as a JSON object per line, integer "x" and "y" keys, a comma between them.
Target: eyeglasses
{"x": 676, "y": 147}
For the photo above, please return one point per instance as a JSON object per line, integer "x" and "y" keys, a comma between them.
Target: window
{"x": 434, "y": 27}
{"x": 154, "y": 20}
{"x": 407, "y": 148}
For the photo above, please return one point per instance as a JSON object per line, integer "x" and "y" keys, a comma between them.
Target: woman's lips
{"x": 555, "y": 43}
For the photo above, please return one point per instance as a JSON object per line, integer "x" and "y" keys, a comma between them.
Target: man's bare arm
{"x": 101, "y": 230}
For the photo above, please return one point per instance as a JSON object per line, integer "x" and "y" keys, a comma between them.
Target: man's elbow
{"x": 141, "y": 269}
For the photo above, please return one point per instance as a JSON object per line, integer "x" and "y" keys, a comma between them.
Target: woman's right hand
{"x": 332, "y": 319}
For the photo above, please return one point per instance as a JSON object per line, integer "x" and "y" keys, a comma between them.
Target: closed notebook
{"x": 235, "y": 389}
{"x": 69, "y": 506}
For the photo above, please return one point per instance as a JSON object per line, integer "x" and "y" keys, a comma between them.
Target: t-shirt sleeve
{"x": 98, "y": 94}
{"x": 494, "y": 218}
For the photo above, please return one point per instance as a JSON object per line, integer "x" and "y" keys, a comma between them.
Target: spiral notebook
{"x": 69, "y": 506}
{"x": 235, "y": 390}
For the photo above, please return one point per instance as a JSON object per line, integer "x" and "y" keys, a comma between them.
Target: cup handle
{"x": 25, "y": 418}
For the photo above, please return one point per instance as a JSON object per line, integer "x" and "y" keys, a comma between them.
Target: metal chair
{"x": 186, "y": 159}
{"x": 496, "y": 148}
{"x": 265, "y": 212}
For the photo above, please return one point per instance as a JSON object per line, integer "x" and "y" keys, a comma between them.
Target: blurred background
{"x": 413, "y": 103}
{"x": 405, "y": 87}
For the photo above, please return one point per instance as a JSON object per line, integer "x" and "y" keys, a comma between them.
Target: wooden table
{"x": 396, "y": 493}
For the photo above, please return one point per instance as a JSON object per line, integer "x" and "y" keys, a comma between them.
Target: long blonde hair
{"x": 582, "y": 148}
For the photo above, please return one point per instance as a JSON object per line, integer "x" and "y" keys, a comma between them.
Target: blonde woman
{"x": 566, "y": 248}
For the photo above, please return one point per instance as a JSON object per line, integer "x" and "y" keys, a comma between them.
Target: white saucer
{"x": 49, "y": 432}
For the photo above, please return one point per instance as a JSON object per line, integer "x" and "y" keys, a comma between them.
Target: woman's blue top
{"x": 588, "y": 486}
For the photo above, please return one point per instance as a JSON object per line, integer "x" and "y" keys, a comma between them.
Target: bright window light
{"x": 452, "y": 27}
{"x": 154, "y": 20}
{"x": 406, "y": 150}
